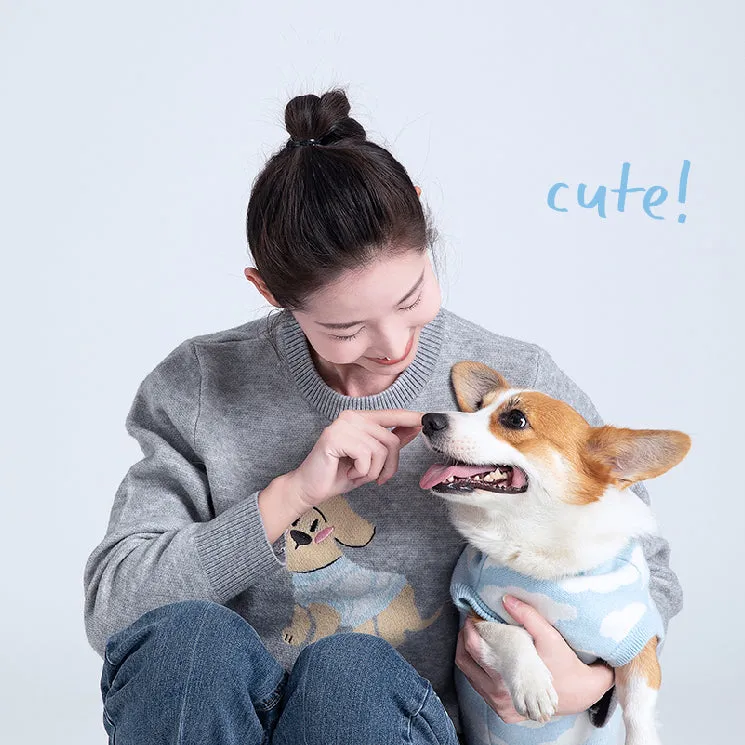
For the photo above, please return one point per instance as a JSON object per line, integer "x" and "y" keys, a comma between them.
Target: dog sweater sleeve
{"x": 467, "y": 583}
{"x": 606, "y": 613}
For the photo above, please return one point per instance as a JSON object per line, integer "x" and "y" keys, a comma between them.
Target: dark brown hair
{"x": 318, "y": 210}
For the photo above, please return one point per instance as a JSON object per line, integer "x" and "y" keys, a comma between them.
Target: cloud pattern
{"x": 606, "y": 613}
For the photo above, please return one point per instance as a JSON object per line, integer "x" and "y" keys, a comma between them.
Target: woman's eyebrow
{"x": 354, "y": 323}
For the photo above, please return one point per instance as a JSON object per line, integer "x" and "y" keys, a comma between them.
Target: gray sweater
{"x": 225, "y": 413}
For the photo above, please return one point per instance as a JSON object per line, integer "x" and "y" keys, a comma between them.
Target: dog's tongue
{"x": 439, "y": 472}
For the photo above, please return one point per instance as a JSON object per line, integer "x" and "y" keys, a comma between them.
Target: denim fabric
{"x": 196, "y": 673}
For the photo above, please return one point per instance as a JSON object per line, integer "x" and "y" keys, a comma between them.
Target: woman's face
{"x": 382, "y": 309}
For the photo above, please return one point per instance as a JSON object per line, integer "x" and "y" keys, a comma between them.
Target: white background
{"x": 130, "y": 134}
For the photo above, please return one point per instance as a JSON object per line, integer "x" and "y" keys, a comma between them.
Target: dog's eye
{"x": 314, "y": 526}
{"x": 513, "y": 419}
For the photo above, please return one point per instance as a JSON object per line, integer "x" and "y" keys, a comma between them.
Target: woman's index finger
{"x": 395, "y": 417}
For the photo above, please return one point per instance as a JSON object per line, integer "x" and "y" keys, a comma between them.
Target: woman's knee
{"x": 216, "y": 634}
{"x": 187, "y": 667}
{"x": 341, "y": 648}
{"x": 349, "y": 686}
{"x": 351, "y": 661}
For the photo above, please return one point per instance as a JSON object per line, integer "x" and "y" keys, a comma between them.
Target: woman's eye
{"x": 414, "y": 304}
{"x": 344, "y": 338}
{"x": 354, "y": 336}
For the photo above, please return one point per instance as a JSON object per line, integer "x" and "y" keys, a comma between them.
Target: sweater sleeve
{"x": 664, "y": 586}
{"x": 163, "y": 542}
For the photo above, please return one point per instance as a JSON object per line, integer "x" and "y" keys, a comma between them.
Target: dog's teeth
{"x": 477, "y": 478}
{"x": 450, "y": 478}
{"x": 488, "y": 477}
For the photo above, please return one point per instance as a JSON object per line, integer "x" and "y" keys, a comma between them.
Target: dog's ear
{"x": 472, "y": 381}
{"x": 349, "y": 528}
{"x": 631, "y": 455}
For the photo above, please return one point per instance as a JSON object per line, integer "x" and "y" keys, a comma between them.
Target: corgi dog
{"x": 542, "y": 499}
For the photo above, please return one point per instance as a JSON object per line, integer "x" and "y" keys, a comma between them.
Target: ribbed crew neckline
{"x": 331, "y": 403}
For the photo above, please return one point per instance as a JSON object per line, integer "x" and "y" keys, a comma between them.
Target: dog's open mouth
{"x": 461, "y": 477}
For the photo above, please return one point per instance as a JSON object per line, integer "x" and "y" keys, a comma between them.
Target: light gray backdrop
{"x": 129, "y": 137}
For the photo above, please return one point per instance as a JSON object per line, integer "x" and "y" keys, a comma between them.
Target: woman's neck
{"x": 352, "y": 380}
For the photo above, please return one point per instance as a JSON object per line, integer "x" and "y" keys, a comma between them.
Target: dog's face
{"x": 309, "y": 544}
{"x": 315, "y": 539}
{"x": 516, "y": 444}
{"x": 524, "y": 456}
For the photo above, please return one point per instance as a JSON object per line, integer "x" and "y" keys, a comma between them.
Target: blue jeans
{"x": 197, "y": 673}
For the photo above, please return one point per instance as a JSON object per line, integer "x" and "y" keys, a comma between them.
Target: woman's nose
{"x": 395, "y": 349}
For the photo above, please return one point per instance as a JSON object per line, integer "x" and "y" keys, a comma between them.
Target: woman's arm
{"x": 163, "y": 542}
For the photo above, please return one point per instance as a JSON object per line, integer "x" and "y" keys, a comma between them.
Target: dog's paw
{"x": 533, "y": 693}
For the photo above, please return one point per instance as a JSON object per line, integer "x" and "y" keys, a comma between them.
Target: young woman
{"x": 271, "y": 567}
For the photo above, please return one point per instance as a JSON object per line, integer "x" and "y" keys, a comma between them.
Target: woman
{"x": 271, "y": 566}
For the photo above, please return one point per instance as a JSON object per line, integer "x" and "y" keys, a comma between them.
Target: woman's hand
{"x": 354, "y": 449}
{"x": 577, "y": 685}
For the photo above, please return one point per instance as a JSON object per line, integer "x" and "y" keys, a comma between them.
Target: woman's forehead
{"x": 378, "y": 287}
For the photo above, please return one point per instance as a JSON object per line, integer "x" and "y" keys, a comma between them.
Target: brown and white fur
{"x": 576, "y": 513}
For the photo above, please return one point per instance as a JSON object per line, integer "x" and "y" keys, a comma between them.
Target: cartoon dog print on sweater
{"x": 332, "y": 592}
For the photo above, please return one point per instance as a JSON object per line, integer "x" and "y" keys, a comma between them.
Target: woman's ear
{"x": 252, "y": 275}
{"x": 418, "y": 191}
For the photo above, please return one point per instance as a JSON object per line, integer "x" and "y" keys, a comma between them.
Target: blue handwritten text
{"x": 654, "y": 196}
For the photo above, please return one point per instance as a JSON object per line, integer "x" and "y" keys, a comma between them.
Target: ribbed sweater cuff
{"x": 234, "y": 549}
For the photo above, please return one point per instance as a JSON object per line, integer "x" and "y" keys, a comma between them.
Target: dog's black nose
{"x": 434, "y": 422}
{"x": 300, "y": 538}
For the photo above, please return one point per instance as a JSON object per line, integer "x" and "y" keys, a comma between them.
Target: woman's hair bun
{"x": 324, "y": 118}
